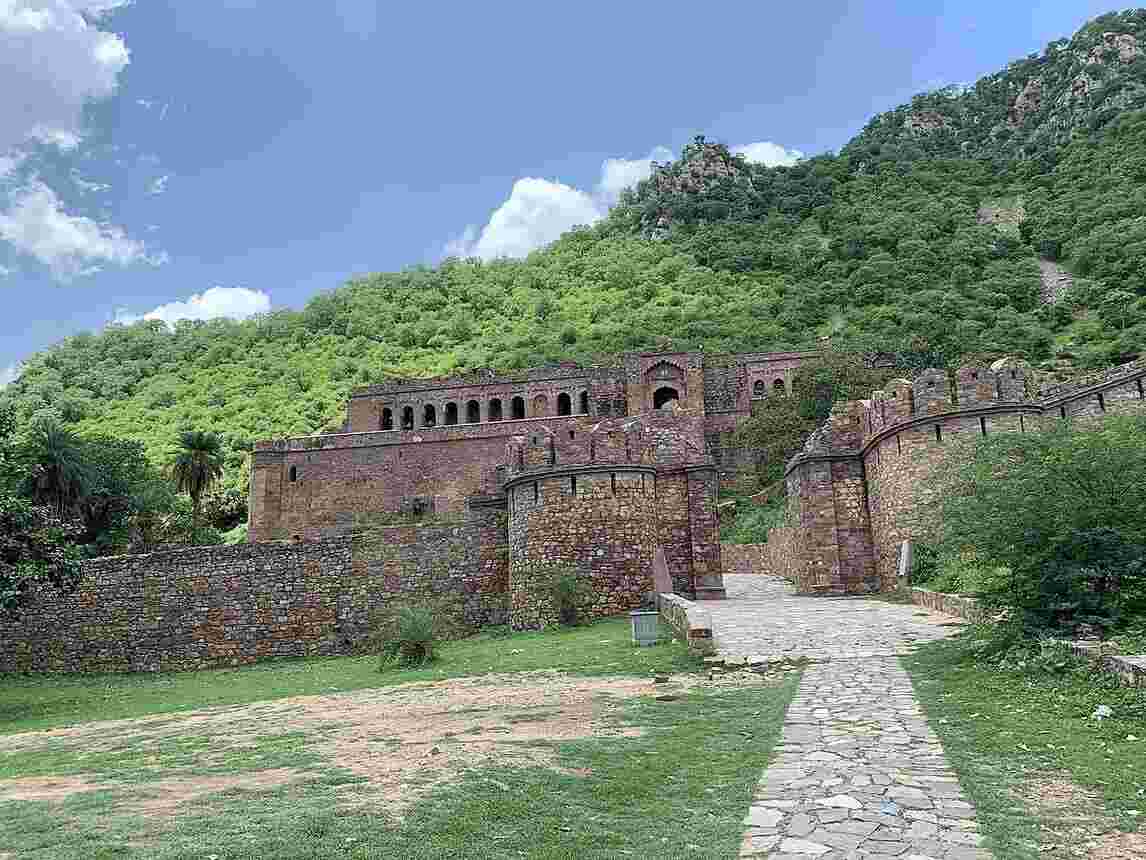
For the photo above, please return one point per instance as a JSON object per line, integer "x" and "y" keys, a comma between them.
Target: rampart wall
{"x": 866, "y": 480}
{"x": 229, "y": 605}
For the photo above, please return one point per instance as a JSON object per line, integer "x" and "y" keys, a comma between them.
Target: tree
{"x": 197, "y": 465}
{"x": 35, "y": 548}
{"x": 58, "y": 473}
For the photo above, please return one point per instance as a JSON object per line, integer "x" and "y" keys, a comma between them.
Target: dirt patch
{"x": 402, "y": 741}
{"x": 171, "y": 795}
{"x": 44, "y": 788}
{"x": 1075, "y": 824}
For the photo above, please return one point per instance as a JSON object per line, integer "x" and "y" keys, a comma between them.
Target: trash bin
{"x": 645, "y": 631}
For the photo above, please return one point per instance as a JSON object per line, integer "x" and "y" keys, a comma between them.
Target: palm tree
{"x": 197, "y": 465}
{"x": 59, "y": 475}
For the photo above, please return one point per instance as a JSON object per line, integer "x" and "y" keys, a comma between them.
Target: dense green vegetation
{"x": 1048, "y": 528}
{"x": 881, "y": 248}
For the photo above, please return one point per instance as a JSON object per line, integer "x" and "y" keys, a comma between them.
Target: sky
{"x": 168, "y": 159}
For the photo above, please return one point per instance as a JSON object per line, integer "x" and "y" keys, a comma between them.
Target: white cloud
{"x": 769, "y": 154}
{"x": 538, "y": 211}
{"x": 234, "y": 302}
{"x": 618, "y": 174}
{"x": 69, "y": 245}
{"x": 9, "y": 374}
{"x": 87, "y": 187}
{"x": 159, "y": 185}
{"x": 53, "y": 60}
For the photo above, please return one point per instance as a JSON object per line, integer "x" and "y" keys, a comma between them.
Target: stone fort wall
{"x": 866, "y": 480}
{"x": 229, "y": 605}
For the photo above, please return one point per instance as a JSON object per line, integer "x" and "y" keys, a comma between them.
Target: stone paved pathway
{"x": 858, "y": 773}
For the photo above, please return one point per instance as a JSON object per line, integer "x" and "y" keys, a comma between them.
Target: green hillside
{"x": 922, "y": 243}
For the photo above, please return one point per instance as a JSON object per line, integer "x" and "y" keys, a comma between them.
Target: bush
{"x": 408, "y": 635}
{"x": 1061, "y": 517}
{"x": 569, "y": 593}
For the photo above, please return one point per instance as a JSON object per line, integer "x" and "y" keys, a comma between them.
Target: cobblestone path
{"x": 858, "y": 773}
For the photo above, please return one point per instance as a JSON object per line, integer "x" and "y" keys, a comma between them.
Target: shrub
{"x": 1061, "y": 517}
{"x": 569, "y": 593}
{"x": 408, "y": 634}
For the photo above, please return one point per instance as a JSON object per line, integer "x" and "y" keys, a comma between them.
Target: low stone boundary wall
{"x": 1131, "y": 669}
{"x": 688, "y": 620}
{"x": 744, "y": 557}
{"x": 951, "y": 604}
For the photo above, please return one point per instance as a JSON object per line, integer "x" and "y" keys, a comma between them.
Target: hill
{"x": 924, "y": 243}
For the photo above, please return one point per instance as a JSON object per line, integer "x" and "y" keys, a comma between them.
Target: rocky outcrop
{"x": 1056, "y": 281}
{"x": 1123, "y": 45}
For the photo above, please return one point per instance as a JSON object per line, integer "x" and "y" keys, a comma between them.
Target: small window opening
{"x": 938, "y": 434}
{"x": 999, "y": 387}
{"x": 572, "y": 434}
{"x": 613, "y": 482}
{"x": 931, "y": 383}
{"x": 778, "y": 386}
{"x": 564, "y": 404}
{"x": 1062, "y": 412}
{"x": 974, "y": 374}
{"x": 760, "y": 389}
{"x": 1141, "y": 390}
{"x": 1101, "y": 402}
{"x": 898, "y": 445}
{"x": 293, "y": 473}
{"x": 663, "y": 395}
{"x": 573, "y": 485}
{"x": 517, "y": 408}
{"x": 494, "y": 413}
{"x": 387, "y": 420}
{"x": 536, "y": 492}
{"x": 1014, "y": 374}
{"x": 584, "y": 403}
{"x": 983, "y": 424}
{"x": 1022, "y": 425}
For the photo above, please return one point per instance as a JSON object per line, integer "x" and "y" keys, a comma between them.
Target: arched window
{"x": 473, "y": 412}
{"x": 408, "y": 418}
{"x": 494, "y": 413}
{"x": 584, "y": 402}
{"x": 293, "y": 474}
{"x": 517, "y": 407}
{"x": 451, "y": 413}
{"x": 387, "y": 420}
{"x": 663, "y": 395}
{"x": 429, "y": 415}
{"x": 564, "y": 404}
{"x": 540, "y": 405}
{"x": 778, "y": 387}
{"x": 759, "y": 388}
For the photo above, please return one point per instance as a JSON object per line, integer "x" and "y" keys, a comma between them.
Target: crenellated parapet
{"x": 864, "y": 481}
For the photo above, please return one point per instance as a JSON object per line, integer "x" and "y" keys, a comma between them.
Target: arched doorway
{"x": 517, "y": 407}
{"x": 778, "y": 387}
{"x": 387, "y": 419}
{"x": 564, "y": 404}
{"x": 451, "y": 413}
{"x": 473, "y": 412}
{"x": 495, "y": 409}
{"x": 664, "y": 395}
{"x": 429, "y": 415}
{"x": 540, "y": 405}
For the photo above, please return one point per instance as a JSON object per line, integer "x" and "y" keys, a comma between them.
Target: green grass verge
{"x": 679, "y": 790}
{"x": 1004, "y": 730}
{"x": 44, "y": 701}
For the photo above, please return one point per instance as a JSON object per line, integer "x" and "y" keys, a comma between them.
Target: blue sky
{"x": 225, "y": 156}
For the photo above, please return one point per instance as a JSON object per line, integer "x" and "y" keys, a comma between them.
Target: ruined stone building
{"x": 595, "y": 469}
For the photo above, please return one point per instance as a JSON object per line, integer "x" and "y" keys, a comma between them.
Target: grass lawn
{"x": 44, "y": 701}
{"x": 1039, "y": 768}
{"x": 653, "y": 778}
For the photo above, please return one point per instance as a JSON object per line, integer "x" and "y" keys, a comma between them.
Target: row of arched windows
{"x": 471, "y": 410}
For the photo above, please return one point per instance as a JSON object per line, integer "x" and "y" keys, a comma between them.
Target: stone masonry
{"x": 864, "y": 482}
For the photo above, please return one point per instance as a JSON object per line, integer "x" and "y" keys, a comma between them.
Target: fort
{"x": 484, "y": 488}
